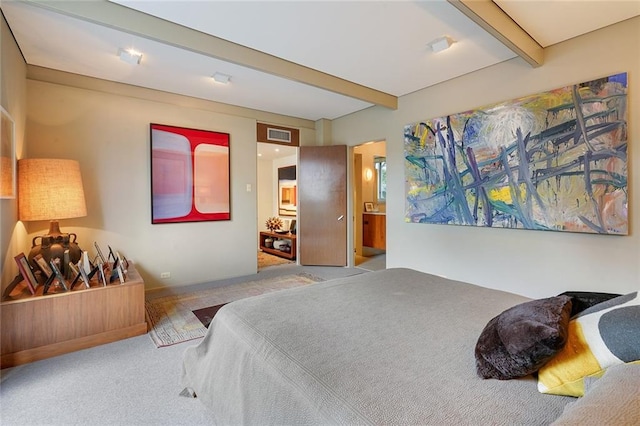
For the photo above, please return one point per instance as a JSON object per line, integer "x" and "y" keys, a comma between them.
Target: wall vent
{"x": 271, "y": 133}
{"x": 278, "y": 135}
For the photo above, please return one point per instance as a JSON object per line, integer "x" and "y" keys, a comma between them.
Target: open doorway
{"x": 370, "y": 194}
{"x": 276, "y": 198}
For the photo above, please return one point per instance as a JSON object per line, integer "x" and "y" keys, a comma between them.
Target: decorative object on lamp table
{"x": 274, "y": 223}
{"x": 51, "y": 189}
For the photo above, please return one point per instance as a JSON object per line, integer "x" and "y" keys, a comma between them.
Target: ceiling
{"x": 270, "y": 151}
{"x": 305, "y": 59}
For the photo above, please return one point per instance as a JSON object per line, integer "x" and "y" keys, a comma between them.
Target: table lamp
{"x": 51, "y": 189}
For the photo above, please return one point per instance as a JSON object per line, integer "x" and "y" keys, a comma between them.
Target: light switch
{"x": 248, "y": 187}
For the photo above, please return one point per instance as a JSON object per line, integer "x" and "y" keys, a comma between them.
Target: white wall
{"x": 532, "y": 263}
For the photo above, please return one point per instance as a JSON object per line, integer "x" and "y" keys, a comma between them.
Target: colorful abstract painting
{"x": 553, "y": 161}
{"x": 190, "y": 175}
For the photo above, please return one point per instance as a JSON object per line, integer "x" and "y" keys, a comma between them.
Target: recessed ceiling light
{"x": 130, "y": 56}
{"x": 221, "y": 78}
{"x": 441, "y": 43}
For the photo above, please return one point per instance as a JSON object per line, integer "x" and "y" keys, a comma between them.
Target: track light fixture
{"x": 441, "y": 43}
{"x": 130, "y": 56}
{"x": 221, "y": 78}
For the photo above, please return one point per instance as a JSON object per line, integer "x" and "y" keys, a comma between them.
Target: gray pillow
{"x": 523, "y": 338}
{"x": 611, "y": 399}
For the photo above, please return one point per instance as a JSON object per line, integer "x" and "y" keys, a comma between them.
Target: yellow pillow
{"x": 601, "y": 336}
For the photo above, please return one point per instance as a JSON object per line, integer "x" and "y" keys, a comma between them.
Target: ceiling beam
{"x": 122, "y": 18}
{"x": 495, "y": 21}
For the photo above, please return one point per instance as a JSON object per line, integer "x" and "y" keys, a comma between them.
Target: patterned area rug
{"x": 265, "y": 260}
{"x": 172, "y": 318}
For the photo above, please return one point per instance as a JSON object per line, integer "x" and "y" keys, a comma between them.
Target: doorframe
{"x": 352, "y": 209}
{"x": 351, "y": 255}
{"x": 274, "y": 197}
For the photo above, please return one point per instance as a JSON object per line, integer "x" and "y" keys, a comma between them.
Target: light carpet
{"x": 173, "y": 321}
{"x": 266, "y": 260}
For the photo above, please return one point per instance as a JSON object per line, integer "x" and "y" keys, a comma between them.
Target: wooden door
{"x": 322, "y": 205}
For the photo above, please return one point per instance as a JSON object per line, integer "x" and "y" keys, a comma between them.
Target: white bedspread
{"x": 388, "y": 347}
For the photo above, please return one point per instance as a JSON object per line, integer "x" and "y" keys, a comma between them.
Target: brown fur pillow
{"x": 523, "y": 338}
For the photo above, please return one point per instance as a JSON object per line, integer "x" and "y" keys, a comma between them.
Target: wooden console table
{"x": 291, "y": 238}
{"x": 38, "y": 327}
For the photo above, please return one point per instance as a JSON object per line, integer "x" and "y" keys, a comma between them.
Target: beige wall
{"x": 109, "y": 135}
{"x": 532, "y": 263}
{"x": 13, "y": 98}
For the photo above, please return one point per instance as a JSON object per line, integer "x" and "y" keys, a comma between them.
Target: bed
{"x": 387, "y": 347}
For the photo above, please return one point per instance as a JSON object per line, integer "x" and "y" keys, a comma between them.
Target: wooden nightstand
{"x": 38, "y": 327}
{"x": 291, "y": 238}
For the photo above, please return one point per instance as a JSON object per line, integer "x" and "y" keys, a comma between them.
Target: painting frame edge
{"x": 614, "y": 132}
{"x": 12, "y": 163}
{"x": 188, "y": 157}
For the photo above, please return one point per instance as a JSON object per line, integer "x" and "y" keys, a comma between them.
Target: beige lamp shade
{"x": 50, "y": 189}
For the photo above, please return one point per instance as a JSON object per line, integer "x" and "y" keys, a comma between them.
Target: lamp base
{"x": 53, "y": 246}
